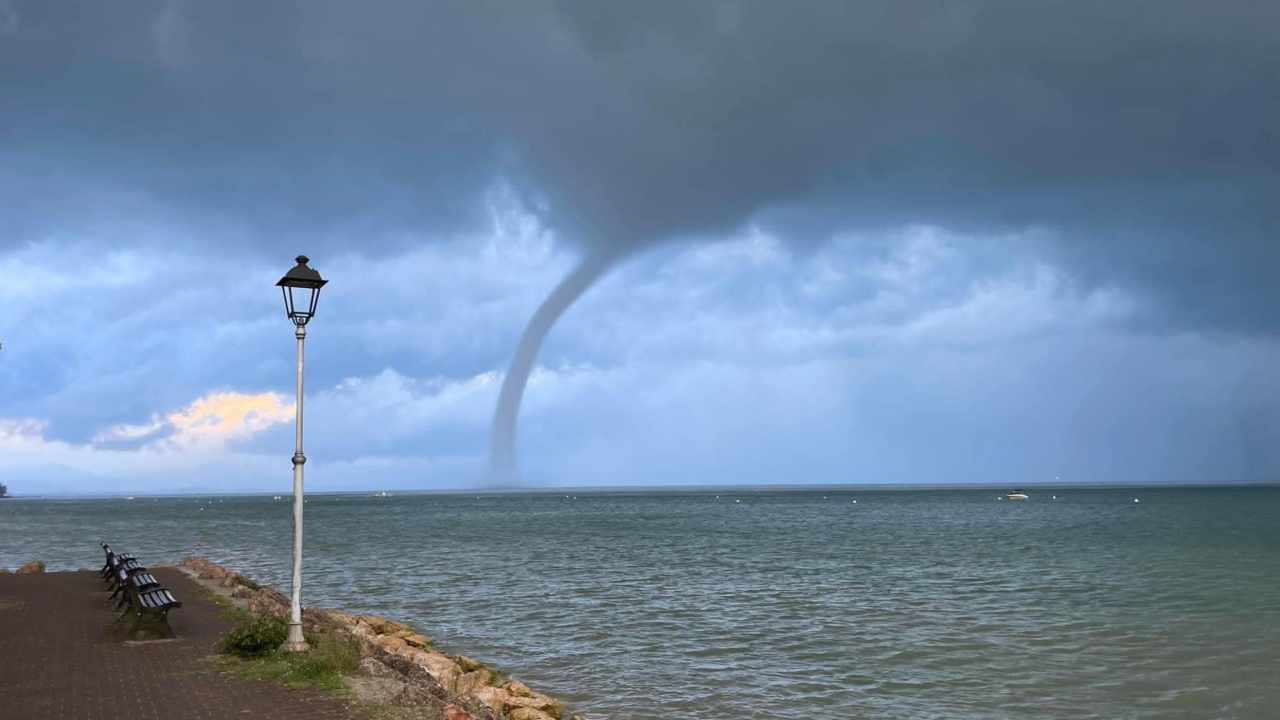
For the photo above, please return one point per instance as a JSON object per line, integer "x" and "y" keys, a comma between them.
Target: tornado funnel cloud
{"x": 502, "y": 449}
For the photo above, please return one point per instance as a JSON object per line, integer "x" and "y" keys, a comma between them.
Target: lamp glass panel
{"x": 288, "y": 301}
{"x": 303, "y": 300}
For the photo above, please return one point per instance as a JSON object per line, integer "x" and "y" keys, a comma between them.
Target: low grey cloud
{"x": 448, "y": 163}
{"x": 1120, "y": 125}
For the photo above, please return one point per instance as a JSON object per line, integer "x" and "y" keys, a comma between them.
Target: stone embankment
{"x": 399, "y": 663}
{"x": 31, "y": 568}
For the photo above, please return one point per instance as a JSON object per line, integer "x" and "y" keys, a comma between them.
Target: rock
{"x": 374, "y": 667}
{"x": 269, "y": 602}
{"x": 442, "y": 668}
{"x": 515, "y": 687}
{"x": 247, "y": 582}
{"x": 494, "y": 698}
{"x": 528, "y": 713}
{"x": 467, "y": 664}
{"x": 577, "y": 716}
{"x": 390, "y": 643}
{"x": 344, "y": 618}
{"x": 368, "y": 641}
{"x": 242, "y": 593}
{"x": 453, "y": 712}
{"x": 536, "y": 701}
{"x": 416, "y": 696}
{"x": 205, "y": 569}
{"x": 196, "y": 565}
{"x": 520, "y": 696}
{"x": 375, "y": 690}
{"x": 383, "y": 626}
{"x": 468, "y": 683}
{"x": 413, "y": 672}
{"x": 417, "y": 640}
{"x": 318, "y": 619}
{"x": 32, "y": 568}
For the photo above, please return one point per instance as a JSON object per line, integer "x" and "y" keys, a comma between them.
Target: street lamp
{"x": 301, "y": 289}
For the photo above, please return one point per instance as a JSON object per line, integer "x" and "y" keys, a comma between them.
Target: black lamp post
{"x": 301, "y": 289}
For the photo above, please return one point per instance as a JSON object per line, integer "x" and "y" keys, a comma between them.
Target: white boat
{"x": 1017, "y": 495}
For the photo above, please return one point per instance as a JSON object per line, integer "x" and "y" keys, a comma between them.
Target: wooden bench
{"x": 112, "y": 561}
{"x": 139, "y": 592}
{"x": 157, "y": 601}
{"x": 120, "y": 571}
{"x": 125, "y": 581}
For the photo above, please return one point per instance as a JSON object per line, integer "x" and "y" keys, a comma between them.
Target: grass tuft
{"x": 331, "y": 656}
{"x": 247, "y": 582}
{"x": 255, "y": 637}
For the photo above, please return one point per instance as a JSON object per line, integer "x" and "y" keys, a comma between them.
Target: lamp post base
{"x": 295, "y": 642}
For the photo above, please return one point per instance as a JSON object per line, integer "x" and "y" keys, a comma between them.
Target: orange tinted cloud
{"x": 222, "y": 416}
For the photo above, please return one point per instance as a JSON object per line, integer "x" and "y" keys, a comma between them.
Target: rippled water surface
{"x": 905, "y": 604}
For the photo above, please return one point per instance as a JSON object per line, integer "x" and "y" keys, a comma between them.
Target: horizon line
{"x": 651, "y": 489}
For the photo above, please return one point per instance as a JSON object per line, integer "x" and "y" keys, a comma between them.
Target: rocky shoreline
{"x": 31, "y": 568}
{"x": 400, "y": 666}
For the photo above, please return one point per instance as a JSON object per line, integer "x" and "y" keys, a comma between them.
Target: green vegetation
{"x": 252, "y": 650}
{"x": 242, "y": 580}
{"x": 256, "y": 637}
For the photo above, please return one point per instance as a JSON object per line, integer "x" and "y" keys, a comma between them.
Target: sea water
{"x": 738, "y": 604}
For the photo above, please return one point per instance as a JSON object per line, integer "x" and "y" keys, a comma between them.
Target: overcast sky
{"x": 839, "y": 242}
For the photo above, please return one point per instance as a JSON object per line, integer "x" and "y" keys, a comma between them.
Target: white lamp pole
{"x": 301, "y": 289}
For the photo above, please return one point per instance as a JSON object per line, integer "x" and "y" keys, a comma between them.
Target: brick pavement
{"x": 61, "y": 659}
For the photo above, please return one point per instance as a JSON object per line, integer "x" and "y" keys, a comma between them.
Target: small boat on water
{"x": 1017, "y": 495}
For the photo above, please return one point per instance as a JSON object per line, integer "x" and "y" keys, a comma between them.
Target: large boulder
{"x": 467, "y": 664}
{"x": 374, "y": 667}
{"x": 343, "y": 617}
{"x": 502, "y": 700}
{"x": 205, "y": 568}
{"x": 383, "y": 626}
{"x": 494, "y": 698}
{"x": 267, "y": 601}
{"x": 441, "y": 666}
{"x": 417, "y": 640}
{"x": 375, "y": 690}
{"x": 468, "y": 683}
{"x": 528, "y": 713}
{"x": 316, "y": 619}
{"x": 390, "y": 643}
{"x": 422, "y": 700}
{"x": 520, "y": 696}
{"x": 412, "y": 672}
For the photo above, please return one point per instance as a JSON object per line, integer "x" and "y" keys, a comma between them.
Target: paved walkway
{"x": 60, "y": 661}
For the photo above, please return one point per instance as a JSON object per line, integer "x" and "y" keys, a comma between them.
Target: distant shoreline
{"x": 660, "y": 490}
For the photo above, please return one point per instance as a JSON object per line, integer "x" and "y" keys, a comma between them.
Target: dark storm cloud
{"x": 1142, "y": 136}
